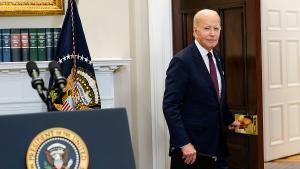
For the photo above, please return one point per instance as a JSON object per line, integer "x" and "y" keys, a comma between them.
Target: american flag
{"x": 67, "y": 107}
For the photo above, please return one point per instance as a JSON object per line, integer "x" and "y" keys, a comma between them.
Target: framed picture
{"x": 31, "y": 7}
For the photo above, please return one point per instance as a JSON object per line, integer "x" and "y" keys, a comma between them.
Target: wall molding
{"x": 160, "y": 40}
{"x": 110, "y": 64}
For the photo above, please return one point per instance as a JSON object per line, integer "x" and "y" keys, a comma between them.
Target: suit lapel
{"x": 204, "y": 72}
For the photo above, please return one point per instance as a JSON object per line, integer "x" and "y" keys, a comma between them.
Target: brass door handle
{"x": 249, "y": 124}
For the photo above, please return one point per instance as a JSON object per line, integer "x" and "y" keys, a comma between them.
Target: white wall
{"x": 106, "y": 26}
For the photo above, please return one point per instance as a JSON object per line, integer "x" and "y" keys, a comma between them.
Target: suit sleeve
{"x": 175, "y": 88}
{"x": 227, "y": 116}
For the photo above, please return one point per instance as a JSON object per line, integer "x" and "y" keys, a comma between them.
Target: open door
{"x": 240, "y": 44}
{"x": 281, "y": 82}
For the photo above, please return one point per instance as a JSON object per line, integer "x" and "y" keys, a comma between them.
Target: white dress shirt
{"x": 204, "y": 53}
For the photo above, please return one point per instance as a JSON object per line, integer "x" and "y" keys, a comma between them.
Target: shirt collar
{"x": 202, "y": 50}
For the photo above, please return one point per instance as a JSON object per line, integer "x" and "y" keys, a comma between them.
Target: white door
{"x": 281, "y": 77}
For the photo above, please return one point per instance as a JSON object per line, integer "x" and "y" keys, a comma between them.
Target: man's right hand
{"x": 189, "y": 153}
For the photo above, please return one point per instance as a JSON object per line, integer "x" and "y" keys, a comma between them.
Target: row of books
{"x": 35, "y": 44}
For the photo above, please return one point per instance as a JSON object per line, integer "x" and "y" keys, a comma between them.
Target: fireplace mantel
{"x": 17, "y": 96}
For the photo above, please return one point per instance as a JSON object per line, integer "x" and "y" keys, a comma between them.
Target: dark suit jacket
{"x": 190, "y": 105}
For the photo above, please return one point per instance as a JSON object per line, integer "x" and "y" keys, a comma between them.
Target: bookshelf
{"x": 39, "y": 22}
{"x": 24, "y": 44}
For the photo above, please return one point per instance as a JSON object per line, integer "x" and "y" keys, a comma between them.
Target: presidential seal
{"x": 81, "y": 92}
{"x": 57, "y": 148}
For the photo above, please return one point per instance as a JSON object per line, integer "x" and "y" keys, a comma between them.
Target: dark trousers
{"x": 178, "y": 163}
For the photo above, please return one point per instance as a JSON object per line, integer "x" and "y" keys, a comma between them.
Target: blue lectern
{"x": 96, "y": 139}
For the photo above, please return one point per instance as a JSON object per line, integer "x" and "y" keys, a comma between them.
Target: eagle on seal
{"x": 57, "y": 156}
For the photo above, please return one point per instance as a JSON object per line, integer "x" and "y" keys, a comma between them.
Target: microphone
{"x": 60, "y": 81}
{"x": 36, "y": 82}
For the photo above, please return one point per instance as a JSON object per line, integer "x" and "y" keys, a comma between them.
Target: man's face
{"x": 207, "y": 32}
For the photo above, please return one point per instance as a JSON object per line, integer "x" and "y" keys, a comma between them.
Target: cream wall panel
{"x": 106, "y": 26}
{"x": 151, "y": 50}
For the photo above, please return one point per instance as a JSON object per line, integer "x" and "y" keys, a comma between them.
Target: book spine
{"x": 33, "y": 44}
{"x": 41, "y": 33}
{"x": 1, "y": 47}
{"x": 56, "y": 35}
{"x": 15, "y": 45}
{"x": 49, "y": 43}
{"x": 6, "y": 45}
{"x": 25, "y": 44}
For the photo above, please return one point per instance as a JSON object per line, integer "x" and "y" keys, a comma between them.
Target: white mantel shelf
{"x": 102, "y": 64}
{"x": 18, "y": 97}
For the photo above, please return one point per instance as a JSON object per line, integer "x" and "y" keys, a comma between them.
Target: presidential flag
{"x": 74, "y": 58}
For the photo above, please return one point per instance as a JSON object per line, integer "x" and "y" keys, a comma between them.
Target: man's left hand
{"x": 235, "y": 125}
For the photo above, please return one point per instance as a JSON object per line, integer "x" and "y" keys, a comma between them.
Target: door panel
{"x": 281, "y": 65}
{"x": 233, "y": 40}
{"x": 240, "y": 46}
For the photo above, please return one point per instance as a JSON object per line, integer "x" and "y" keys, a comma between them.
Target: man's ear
{"x": 194, "y": 32}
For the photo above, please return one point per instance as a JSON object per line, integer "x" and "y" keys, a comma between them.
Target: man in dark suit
{"x": 193, "y": 102}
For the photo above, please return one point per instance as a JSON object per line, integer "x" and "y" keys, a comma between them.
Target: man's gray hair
{"x": 203, "y": 12}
